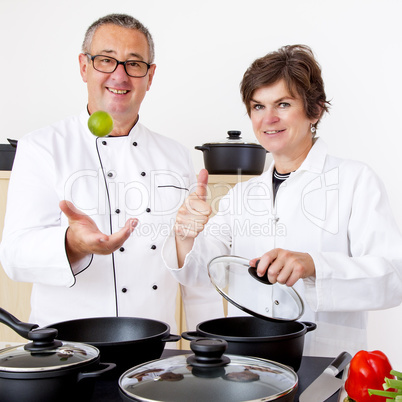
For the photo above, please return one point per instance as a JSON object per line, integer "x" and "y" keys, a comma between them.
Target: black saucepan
{"x": 233, "y": 156}
{"x": 282, "y": 342}
{"x": 271, "y": 331}
{"x": 46, "y": 369}
{"x": 125, "y": 341}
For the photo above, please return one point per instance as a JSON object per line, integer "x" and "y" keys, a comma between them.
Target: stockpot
{"x": 271, "y": 330}
{"x": 46, "y": 369}
{"x": 233, "y": 156}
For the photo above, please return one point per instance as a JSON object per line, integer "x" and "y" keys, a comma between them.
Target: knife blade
{"x": 327, "y": 383}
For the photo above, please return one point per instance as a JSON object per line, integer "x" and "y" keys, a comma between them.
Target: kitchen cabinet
{"x": 15, "y": 296}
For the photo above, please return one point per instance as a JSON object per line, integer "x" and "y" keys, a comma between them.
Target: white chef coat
{"x": 334, "y": 209}
{"x": 143, "y": 175}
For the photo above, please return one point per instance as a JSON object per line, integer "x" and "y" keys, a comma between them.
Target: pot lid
{"x": 208, "y": 375}
{"x": 234, "y": 139}
{"x": 254, "y": 295}
{"x": 63, "y": 355}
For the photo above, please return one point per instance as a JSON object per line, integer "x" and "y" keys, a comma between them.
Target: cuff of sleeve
{"x": 169, "y": 254}
{"x": 189, "y": 274}
{"x": 81, "y": 265}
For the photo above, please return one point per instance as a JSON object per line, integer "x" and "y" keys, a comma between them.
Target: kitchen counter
{"x": 311, "y": 367}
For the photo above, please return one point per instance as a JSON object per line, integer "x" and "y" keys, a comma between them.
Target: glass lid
{"x": 208, "y": 376}
{"x": 68, "y": 354}
{"x": 238, "y": 283}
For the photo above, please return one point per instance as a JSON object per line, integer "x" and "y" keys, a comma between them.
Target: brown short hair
{"x": 297, "y": 66}
{"x": 122, "y": 20}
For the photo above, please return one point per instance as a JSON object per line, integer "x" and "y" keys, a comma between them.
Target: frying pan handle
{"x": 202, "y": 148}
{"x": 171, "y": 338}
{"x": 310, "y": 326}
{"x": 21, "y": 328}
{"x": 191, "y": 335}
{"x": 12, "y": 142}
{"x": 92, "y": 374}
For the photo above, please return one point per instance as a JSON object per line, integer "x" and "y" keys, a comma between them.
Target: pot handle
{"x": 191, "y": 335}
{"x": 202, "y": 148}
{"x": 21, "y": 328}
{"x": 171, "y": 338}
{"x": 310, "y": 326}
{"x": 92, "y": 374}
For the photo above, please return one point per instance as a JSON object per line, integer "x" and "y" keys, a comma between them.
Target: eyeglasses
{"x": 106, "y": 64}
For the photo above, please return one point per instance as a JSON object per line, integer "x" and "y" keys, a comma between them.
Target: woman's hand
{"x": 284, "y": 266}
{"x": 195, "y": 211}
{"x": 191, "y": 218}
{"x": 84, "y": 238}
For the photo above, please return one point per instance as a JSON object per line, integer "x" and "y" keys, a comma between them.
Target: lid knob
{"x": 208, "y": 353}
{"x": 234, "y": 135}
{"x": 43, "y": 339}
{"x": 253, "y": 272}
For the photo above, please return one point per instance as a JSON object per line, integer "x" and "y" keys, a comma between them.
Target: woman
{"x": 331, "y": 232}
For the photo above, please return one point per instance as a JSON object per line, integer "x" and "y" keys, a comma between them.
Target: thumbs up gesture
{"x": 195, "y": 211}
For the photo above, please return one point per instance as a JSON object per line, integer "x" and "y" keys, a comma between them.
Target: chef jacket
{"x": 111, "y": 179}
{"x": 334, "y": 209}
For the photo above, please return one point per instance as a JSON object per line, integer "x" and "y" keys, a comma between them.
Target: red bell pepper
{"x": 367, "y": 370}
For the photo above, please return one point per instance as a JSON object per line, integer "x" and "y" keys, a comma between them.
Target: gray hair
{"x": 122, "y": 20}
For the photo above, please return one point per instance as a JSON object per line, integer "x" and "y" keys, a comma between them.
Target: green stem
{"x": 388, "y": 394}
{"x": 397, "y": 374}
{"x": 391, "y": 383}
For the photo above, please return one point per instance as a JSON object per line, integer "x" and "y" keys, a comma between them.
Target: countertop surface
{"x": 107, "y": 390}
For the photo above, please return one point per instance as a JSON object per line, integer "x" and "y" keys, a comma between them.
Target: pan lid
{"x": 233, "y": 139}
{"x": 238, "y": 283}
{"x": 208, "y": 375}
{"x": 42, "y": 356}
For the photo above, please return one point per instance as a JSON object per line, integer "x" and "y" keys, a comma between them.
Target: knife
{"x": 327, "y": 383}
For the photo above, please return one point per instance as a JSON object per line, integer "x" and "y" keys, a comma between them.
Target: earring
{"x": 312, "y": 129}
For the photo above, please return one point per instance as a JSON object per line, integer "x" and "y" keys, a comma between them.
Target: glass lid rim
{"x": 89, "y": 359}
{"x": 245, "y": 262}
{"x": 242, "y": 360}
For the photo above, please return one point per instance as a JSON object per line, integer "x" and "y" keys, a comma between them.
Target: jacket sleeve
{"x": 33, "y": 242}
{"x": 370, "y": 277}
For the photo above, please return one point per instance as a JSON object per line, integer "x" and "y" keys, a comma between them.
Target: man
{"x": 119, "y": 195}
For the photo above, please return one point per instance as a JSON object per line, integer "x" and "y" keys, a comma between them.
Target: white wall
{"x": 202, "y": 50}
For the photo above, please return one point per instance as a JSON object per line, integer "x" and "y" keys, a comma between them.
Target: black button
{"x": 121, "y": 249}
{"x": 153, "y": 247}
{"x": 104, "y": 143}
{"x": 117, "y": 211}
{"x": 110, "y": 174}
{"x": 154, "y": 287}
{"x": 135, "y": 144}
{"x": 124, "y": 290}
{"x": 148, "y": 210}
{"x": 143, "y": 173}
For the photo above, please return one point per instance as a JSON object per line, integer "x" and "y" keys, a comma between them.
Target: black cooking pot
{"x": 282, "y": 342}
{"x": 47, "y": 370}
{"x": 271, "y": 331}
{"x": 125, "y": 341}
{"x": 233, "y": 156}
{"x": 209, "y": 375}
